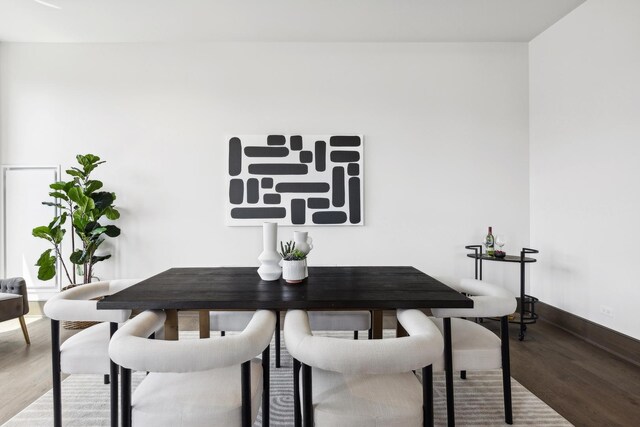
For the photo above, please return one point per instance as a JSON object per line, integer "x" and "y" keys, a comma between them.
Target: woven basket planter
{"x": 75, "y": 325}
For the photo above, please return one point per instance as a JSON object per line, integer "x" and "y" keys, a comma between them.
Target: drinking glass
{"x": 500, "y": 241}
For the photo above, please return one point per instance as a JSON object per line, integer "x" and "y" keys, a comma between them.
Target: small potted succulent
{"x": 294, "y": 263}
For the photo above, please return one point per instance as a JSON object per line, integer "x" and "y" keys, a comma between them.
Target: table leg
{"x": 171, "y": 325}
{"x": 204, "y": 323}
{"x": 448, "y": 366}
{"x": 376, "y": 324}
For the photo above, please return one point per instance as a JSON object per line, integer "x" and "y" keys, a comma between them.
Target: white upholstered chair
{"x": 475, "y": 348}
{"x": 87, "y": 351}
{"x": 320, "y": 321}
{"x": 364, "y": 383}
{"x": 203, "y": 382}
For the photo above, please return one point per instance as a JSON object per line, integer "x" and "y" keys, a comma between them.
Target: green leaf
{"x": 76, "y": 195}
{"x": 112, "y": 213}
{"x": 98, "y": 231}
{"x": 57, "y": 205}
{"x": 58, "y": 221}
{"x": 112, "y": 231}
{"x": 58, "y": 234}
{"x": 92, "y": 186}
{"x": 42, "y": 232}
{"x": 98, "y": 258}
{"x": 80, "y": 222}
{"x": 103, "y": 199}
{"x": 78, "y": 256}
{"x": 59, "y": 195}
{"x": 47, "y": 264}
{"x": 84, "y": 203}
{"x": 58, "y": 186}
{"x": 75, "y": 172}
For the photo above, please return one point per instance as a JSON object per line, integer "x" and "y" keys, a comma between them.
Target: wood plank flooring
{"x": 585, "y": 384}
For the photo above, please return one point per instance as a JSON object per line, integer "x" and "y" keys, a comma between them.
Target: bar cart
{"x": 527, "y": 313}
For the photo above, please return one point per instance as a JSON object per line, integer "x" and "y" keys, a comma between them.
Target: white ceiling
{"x": 278, "y": 20}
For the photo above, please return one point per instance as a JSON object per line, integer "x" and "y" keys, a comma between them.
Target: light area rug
{"x": 478, "y": 399}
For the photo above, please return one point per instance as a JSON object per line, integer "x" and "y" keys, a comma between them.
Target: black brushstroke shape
{"x": 235, "y": 156}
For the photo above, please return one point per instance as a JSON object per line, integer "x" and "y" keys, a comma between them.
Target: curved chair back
{"x": 131, "y": 348}
{"x": 77, "y": 303}
{"x": 423, "y": 345}
{"x": 489, "y": 300}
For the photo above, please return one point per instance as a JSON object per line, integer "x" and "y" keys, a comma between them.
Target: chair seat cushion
{"x": 87, "y": 352}
{"x": 339, "y": 320}
{"x": 206, "y": 398}
{"x": 10, "y": 306}
{"x": 475, "y": 348}
{"x": 366, "y": 400}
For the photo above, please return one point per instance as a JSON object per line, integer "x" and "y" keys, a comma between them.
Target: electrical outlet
{"x": 607, "y": 311}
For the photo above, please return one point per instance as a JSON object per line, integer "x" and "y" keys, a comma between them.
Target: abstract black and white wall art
{"x": 295, "y": 179}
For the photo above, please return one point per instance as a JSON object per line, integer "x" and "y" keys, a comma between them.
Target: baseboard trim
{"x": 621, "y": 345}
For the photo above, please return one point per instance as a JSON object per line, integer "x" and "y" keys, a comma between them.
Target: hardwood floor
{"x": 25, "y": 371}
{"x": 585, "y": 384}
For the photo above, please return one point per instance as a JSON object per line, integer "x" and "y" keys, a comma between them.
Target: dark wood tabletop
{"x": 326, "y": 288}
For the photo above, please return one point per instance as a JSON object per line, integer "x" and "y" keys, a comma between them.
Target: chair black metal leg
{"x": 245, "y": 384}
{"x": 355, "y": 335}
{"x": 506, "y": 369}
{"x": 113, "y": 380}
{"x": 427, "y": 396}
{"x": 463, "y": 375}
{"x": 370, "y": 333}
{"x": 125, "y": 384}
{"x": 266, "y": 377}
{"x": 277, "y": 339}
{"x": 221, "y": 333}
{"x": 307, "y": 393}
{"x": 448, "y": 366}
{"x": 297, "y": 413}
{"x": 55, "y": 369}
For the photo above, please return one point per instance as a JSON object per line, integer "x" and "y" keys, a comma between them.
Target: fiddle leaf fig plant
{"x": 79, "y": 201}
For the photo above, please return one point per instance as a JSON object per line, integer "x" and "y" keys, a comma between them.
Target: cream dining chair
{"x": 200, "y": 382}
{"x": 364, "y": 383}
{"x": 475, "y": 348}
{"x": 86, "y": 352}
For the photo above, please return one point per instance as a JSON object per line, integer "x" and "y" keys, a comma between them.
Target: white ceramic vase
{"x": 269, "y": 258}
{"x": 294, "y": 271}
{"x": 303, "y": 242}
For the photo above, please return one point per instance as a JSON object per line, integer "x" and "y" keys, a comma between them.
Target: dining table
{"x": 373, "y": 288}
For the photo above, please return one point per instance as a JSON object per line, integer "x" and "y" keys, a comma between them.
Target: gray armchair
{"x": 14, "y": 302}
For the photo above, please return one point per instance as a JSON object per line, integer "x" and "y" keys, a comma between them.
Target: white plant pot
{"x": 294, "y": 271}
{"x": 270, "y": 269}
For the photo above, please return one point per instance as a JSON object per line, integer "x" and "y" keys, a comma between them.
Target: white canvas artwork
{"x": 295, "y": 179}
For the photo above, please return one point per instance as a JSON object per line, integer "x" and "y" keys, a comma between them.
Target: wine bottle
{"x": 490, "y": 242}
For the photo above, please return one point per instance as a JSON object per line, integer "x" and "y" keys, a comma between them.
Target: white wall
{"x": 445, "y": 125}
{"x": 585, "y": 162}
